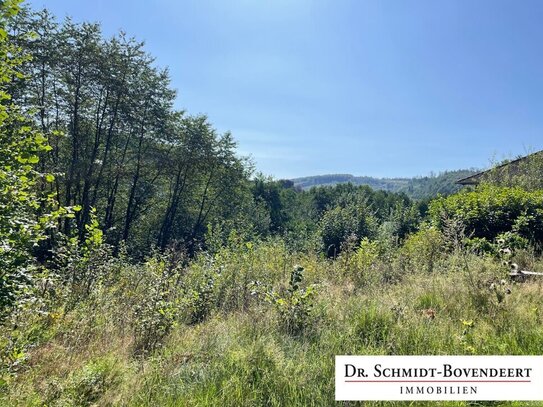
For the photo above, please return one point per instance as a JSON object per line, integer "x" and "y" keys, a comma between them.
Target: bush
{"x": 159, "y": 309}
{"x": 480, "y": 245}
{"x": 489, "y": 211}
{"x": 201, "y": 299}
{"x": 423, "y": 249}
{"x": 295, "y": 307}
{"x": 362, "y": 262}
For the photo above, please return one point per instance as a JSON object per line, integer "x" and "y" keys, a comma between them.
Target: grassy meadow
{"x": 189, "y": 334}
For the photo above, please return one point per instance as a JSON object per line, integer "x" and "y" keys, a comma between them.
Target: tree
{"x": 268, "y": 191}
{"x": 23, "y": 219}
{"x": 339, "y": 224}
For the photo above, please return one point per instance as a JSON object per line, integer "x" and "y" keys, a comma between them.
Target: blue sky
{"x": 381, "y": 88}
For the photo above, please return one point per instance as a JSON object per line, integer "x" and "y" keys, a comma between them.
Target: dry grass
{"x": 241, "y": 357}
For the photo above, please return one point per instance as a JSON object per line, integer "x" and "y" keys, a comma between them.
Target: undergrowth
{"x": 259, "y": 324}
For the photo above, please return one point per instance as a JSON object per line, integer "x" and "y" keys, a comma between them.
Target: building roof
{"x": 510, "y": 165}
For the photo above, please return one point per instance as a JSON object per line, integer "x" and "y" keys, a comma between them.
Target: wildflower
{"x": 470, "y": 349}
{"x": 468, "y": 323}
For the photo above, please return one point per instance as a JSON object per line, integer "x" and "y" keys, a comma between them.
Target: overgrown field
{"x": 247, "y": 326}
{"x": 143, "y": 262}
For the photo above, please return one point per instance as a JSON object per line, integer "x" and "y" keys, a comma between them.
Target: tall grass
{"x": 236, "y": 352}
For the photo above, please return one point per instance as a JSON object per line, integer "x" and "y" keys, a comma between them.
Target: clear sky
{"x": 381, "y": 88}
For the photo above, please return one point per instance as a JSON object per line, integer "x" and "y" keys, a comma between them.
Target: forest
{"x": 415, "y": 188}
{"x": 144, "y": 261}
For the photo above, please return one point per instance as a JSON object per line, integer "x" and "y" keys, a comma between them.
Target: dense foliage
{"x": 490, "y": 210}
{"x": 23, "y": 217}
{"x": 154, "y": 174}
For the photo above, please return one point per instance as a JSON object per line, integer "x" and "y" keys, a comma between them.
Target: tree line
{"x": 153, "y": 175}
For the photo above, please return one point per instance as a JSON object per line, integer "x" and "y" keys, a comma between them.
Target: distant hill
{"x": 416, "y": 188}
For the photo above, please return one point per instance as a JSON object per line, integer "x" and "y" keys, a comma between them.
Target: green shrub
{"x": 422, "y": 250}
{"x": 480, "y": 245}
{"x": 508, "y": 241}
{"x": 200, "y": 299}
{"x": 512, "y": 241}
{"x": 158, "y": 309}
{"x": 488, "y": 211}
{"x": 361, "y": 263}
{"x": 295, "y": 307}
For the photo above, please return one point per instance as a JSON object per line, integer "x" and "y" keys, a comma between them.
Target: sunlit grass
{"x": 240, "y": 356}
